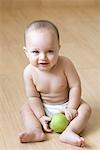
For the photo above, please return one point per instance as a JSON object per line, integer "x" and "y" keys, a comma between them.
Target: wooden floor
{"x": 80, "y": 39}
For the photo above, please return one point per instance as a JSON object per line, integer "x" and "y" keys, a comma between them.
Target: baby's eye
{"x": 50, "y": 51}
{"x": 35, "y": 51}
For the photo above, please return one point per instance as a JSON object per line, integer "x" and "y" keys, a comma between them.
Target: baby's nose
{"x": 43, "y": 56}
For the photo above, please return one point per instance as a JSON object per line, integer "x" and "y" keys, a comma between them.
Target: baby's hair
{"x": 37, "y": 24}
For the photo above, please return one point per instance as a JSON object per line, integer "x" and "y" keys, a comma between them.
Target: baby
{"x": 52, "y": 85}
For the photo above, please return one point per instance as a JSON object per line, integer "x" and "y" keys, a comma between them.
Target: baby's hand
{"x": 71, "y": 113}
{"x": 44, "y": 121}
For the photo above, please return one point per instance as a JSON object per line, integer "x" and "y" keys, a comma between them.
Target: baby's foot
{"x": 31, "y": 136}
{"x": 72, "y": 138}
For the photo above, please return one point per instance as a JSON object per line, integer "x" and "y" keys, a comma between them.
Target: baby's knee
{"x": 85, "y": 109}
{"x": 88, "y": 109}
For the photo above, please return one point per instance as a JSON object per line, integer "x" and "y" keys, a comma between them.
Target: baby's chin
{"x": 44, "y": 69}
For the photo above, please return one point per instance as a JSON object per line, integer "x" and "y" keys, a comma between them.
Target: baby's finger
{"x": 67, "y": 116}
{"x": 48, "y": 118}
{"x": 76, "y": 113}
{"x": 46, "y": 127}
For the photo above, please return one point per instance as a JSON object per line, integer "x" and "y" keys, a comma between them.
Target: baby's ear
{"x": 24, "y": 48}
{"x": 59, "y": 46}
{"x": 25, "y": 51}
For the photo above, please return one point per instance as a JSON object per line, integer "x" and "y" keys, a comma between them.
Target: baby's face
{"x": 42, "y": 48}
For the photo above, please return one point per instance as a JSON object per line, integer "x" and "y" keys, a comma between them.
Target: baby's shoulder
{"x": 28, "y": 70}
{"x": 65, "y": 61}
{"x": 68, "y": 65}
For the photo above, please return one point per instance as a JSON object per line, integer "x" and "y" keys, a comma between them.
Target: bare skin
{"x": 71, "y": 134}
{"x": 51, "y": 79}
{"x": 33, "y": 129}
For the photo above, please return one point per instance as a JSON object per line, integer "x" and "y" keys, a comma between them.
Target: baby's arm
{"x": 74, "y": 90}
{"x": 34, "y": 99}
{"x": 32, "y": 94}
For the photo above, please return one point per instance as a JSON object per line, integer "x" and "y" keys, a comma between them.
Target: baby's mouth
{"x": 43, "y": 63}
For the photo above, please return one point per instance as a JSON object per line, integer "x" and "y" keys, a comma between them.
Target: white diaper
{"x": 50, "y": 109}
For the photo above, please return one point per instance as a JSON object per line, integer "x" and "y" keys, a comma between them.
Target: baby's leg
{"x": 70, "y": 135}
{"x": 33, "y": 127}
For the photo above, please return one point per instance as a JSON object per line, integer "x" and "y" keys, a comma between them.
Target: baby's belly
{"x": 55, "y": 98}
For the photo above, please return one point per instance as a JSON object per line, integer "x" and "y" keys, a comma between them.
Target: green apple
{"x": 58, "y": 122}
